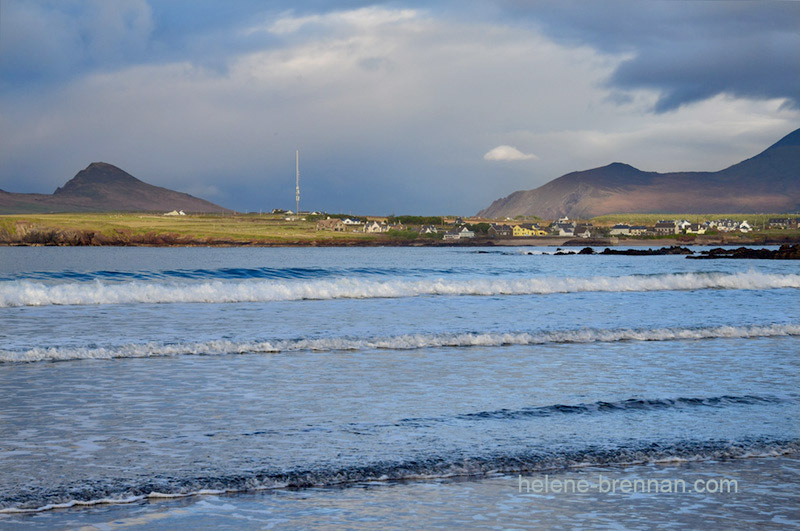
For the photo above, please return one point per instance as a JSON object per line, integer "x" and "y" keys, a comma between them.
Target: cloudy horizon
{"x": 396, "y": 107}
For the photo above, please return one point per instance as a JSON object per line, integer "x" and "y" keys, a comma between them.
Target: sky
{"x": 436, "y": 107}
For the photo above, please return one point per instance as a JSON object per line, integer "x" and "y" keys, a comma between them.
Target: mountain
{"x": 103, "y": 187}
{"x": 768, "y": 182}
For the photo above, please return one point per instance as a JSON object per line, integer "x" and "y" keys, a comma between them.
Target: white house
{"x": 458, "y": 234}
{"x": 465, "y": 233}
{"x": 744, "y": 226}
{"x": 563, "y": 228}
{"x": 695, "y": 228}
{"x": 726, "y": 225}
{"x": 620, "y": 230}
{"x": 582, "y": 231}
{"x": 375, "y": 227}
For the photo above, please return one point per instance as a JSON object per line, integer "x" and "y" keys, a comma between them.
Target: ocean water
{"x": 394, "y": 387}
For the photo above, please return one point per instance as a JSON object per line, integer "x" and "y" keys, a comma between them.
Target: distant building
{"x": 696, "y": 228}
{"x": 563, "y": 227}
{"x": 375, "y": 227}
{"x": 726, "y": 225}
{"x": 527, "y": 229}
{"x": 452, "y": 234}
{"x": 465, "y": 233}
{"x": 334, "y": 224}
{"x": 583, "y": 230}
{"x": 784, "y": 223}
{"x": 500, "y": 231}
{"x": 428, "y": 229}
{"x": 620, "y": 230}
{"x": 458, "y": 233}
{"x": 778, "y": 223}
{"x": 638, "y": 230}
{"x": 666, "y": 227}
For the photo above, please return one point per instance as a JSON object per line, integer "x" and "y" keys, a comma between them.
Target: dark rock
{"x": 582, "y": 242}
{"x": 675, "y": 249}
{"x": 786, "y": 252}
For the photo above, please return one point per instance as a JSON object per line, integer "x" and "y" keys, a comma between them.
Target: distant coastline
{"x": 168, "y": 240}
{"x": 254, "y": 230}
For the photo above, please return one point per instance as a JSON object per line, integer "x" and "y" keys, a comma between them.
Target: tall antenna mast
{"x": 297, "y": 169}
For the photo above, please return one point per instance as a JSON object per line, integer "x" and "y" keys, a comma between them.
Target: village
{"x": 457, "y": 228}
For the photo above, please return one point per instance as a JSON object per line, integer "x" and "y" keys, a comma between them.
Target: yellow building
{"x": 527, "y": 230}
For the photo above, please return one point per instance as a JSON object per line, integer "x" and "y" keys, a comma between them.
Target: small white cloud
{"x": 508, "y": 153}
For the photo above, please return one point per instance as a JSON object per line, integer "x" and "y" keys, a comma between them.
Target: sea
{"x": 396, "y": 388}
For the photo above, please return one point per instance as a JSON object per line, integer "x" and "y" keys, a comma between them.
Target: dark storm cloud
{"x": 45, "y": 42}
{"x": 688, "y": 51}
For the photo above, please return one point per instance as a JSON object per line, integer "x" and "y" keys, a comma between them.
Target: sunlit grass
{"x": 236, "y": 227}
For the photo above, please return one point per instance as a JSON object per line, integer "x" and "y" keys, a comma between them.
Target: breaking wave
{"x": 29, "y": 293}
{"x": 429, "y": 467}
{"x": 402, "y": 342}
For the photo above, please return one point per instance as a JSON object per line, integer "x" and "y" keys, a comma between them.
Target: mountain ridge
{"x": 766, "y": 182}
{"x": 103, "y": 187}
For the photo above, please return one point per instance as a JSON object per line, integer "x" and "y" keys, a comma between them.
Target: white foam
{"x": 402, "y": 342}
{"x": 449, "y": 469}
{"x": 73, "y": 503}
{"x": 29, "y": 293}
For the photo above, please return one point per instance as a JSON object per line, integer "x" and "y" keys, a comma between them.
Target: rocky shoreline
{"x": 786, "y": 252}
{"x": 675, "y": 249}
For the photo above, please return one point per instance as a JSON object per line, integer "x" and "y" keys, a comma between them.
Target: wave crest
{"x": 28, "y": 293}
{"x": 402, "y": 342}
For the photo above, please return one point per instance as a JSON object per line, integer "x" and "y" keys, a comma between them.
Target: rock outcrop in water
{"x": 675, "y": 249}
{"x": 786, "y": 252}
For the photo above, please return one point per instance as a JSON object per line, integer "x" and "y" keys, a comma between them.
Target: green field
{"x": 139, "y": 227}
